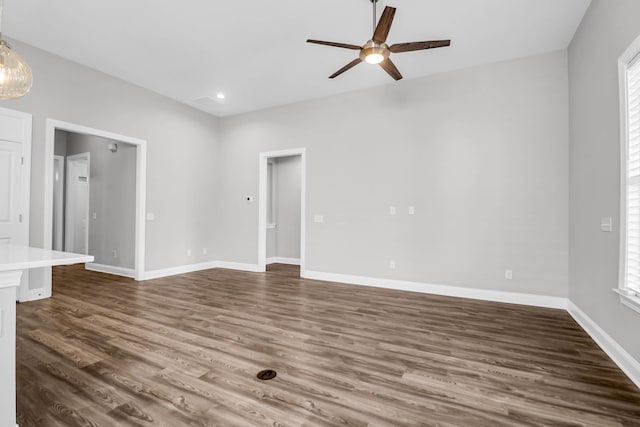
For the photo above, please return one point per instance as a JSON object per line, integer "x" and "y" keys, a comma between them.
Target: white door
{"x": 11, "y": 216}
{"x": 58, "y": 203}
{"x": 77, "y": 212}
{"x": 15, "y": 161}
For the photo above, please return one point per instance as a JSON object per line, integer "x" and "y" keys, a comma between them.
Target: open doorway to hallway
{"x": 94, "y": 200}
{"x": 126, "y": 218}
{"x": 281, "y": 223}
{"x": 283, "y": 210}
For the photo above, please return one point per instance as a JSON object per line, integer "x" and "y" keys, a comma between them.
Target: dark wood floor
{"x": 185, "y": 350}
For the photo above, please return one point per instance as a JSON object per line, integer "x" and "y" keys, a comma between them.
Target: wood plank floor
{"x": 185, "y": 350}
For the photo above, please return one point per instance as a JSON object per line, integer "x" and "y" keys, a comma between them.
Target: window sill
{"x": 631, "y": 301}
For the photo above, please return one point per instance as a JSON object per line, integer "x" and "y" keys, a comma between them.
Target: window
{"x": 629, "y": 286}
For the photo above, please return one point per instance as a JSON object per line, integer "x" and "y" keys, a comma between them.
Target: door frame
{"x": 23, "y": 291}
{"x": 141, "y": 184}
{"x": 68, "y": 218}
{"x": 262, "y": 204}
{"x": 62, "y": 178}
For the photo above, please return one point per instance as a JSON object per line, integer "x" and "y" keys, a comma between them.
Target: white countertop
{"x": 13, "y": 257}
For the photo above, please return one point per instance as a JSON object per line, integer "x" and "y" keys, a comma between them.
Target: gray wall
{"x": 112, "y": 199}
{"x": 60, "y": 147}
{"x": 481, "y": 153}
{"x": 608, "y": 29}
{"x": 182, "y": 151}
{"x": 287, "y": 232}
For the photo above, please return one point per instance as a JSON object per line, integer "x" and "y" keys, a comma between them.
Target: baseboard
{"x": 183, "y": 269}
{"x": 110, "y": 269}
{"x": 445, "y": 290}
{"x": 283, "y": 260}
{"x": 254, "y": 268}
{"x": 626, "y": 362}
{"x": 36, "y": 295}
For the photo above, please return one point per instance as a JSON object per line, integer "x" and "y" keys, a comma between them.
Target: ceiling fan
{"x": 376, "y": 50}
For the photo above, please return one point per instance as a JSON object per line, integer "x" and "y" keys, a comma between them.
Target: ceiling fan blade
{"x": 408, "y": 47}
{"x": 390, "y": 68}
{"x": 342, "y": 45}
{"x": 384, "y": 25}
{"x": 347, "y": 67}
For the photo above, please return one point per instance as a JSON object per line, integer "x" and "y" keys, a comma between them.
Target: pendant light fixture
{"x": 15, "y": 74}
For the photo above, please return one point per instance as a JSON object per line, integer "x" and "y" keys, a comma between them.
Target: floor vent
{"x": 266, "y": 375}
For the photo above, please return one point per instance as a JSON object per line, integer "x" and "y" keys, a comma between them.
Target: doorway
{"x": 275, "y": 208}
{"x": 77, "y": 207}
{"x": 112, "y": 143}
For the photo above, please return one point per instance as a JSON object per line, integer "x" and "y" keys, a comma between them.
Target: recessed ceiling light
{"x": 220, "y": 96}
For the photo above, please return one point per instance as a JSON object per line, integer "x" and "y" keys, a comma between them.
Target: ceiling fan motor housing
{"x": 373, "y": 48}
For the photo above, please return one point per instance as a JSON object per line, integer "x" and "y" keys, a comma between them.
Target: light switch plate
{"x": 412, "y": 210}
{"x": 606, "y": 224}
{"x": 318, "y": 218}
{"x": 151, "y": 216}
{"x": 392, "y": 210}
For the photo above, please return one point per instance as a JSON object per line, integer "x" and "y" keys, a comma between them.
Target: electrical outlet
{"x": 392, "y": 210}
{"x": 188, "y": 252}
{"x": 412, "y": 210}
{"x": 95, "y": 215}
{"x": 114, "y": 253}
{"x": 204, "y": 251}
{"x": 508, "y": 274}
{"x": 151, "y": 216}
{"x": 318, "y": 219}
{"x": 392, "y": 265}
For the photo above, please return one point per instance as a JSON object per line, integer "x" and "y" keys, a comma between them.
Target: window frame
{"x": 628, "y": 296}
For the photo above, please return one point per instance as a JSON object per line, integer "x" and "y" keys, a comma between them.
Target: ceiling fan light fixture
{"x": 374, "y": 53}
{"x": 376, "y": 50}
{"x": 374, "y": 58}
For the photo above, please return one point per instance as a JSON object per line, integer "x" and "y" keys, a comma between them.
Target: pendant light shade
{"x": 15, "y": 74}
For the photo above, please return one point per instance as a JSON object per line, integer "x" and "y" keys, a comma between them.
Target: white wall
{"x": 607, "y": 30}
{"x": 112, "y": 199}
{"x": 481, "y": 153}
{"x": 182, "y": 151}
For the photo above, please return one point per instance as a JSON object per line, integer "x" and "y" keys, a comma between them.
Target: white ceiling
{"x": 254, "y": 51}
